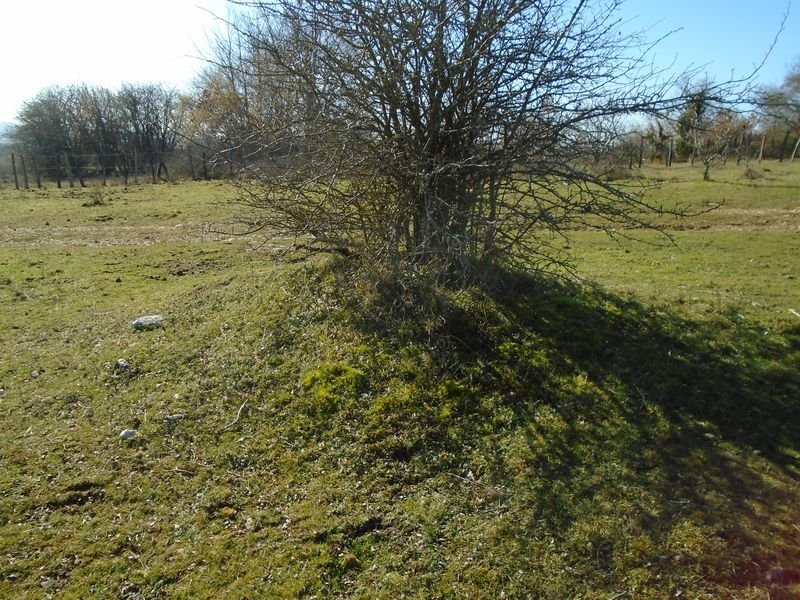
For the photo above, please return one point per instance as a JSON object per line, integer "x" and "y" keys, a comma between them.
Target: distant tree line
{"x": 218, "y": 128}
{"x": 706, "y": 131}
{"x": 81, "y": 131}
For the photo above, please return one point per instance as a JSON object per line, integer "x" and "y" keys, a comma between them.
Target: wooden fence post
{"x": 748, "y": 141}
{"x": 14, "y": 168}
{"x": 24, "y": 172}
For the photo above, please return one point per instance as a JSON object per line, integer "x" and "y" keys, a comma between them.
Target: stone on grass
{"x": 174, "y": 418}
{"x": 122, "y": 365}
{"x": 127, "y": 434}
{"x": 148, "y": 322}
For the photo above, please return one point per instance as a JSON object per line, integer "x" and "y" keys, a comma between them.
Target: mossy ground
{"x": 632, "y": 437}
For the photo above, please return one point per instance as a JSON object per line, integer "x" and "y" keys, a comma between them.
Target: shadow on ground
{"x": 654, "y": 450}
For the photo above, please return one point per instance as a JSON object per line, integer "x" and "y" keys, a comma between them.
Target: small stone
{"x": 148, "y": 322}
{"x": 35, "y": 374}
{"x": 122, "y": 365}
{"x": 118, "y": 280}
{"x": 174, "y": 418}
{"x": 127, "y": 434}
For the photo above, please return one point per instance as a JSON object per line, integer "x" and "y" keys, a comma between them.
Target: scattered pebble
{"x": 148, "y": 322}
{"x": 122, "y": 365}
{"x": 175, "y": 418}
{"x": 35, "y": 374}
{"x": 127, "y": 434}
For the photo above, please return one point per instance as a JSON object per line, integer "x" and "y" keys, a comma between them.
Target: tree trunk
{"x": 794, "y": 152}
{"x": 37, "y": 172}
{"x": 70, "y": 174}
{"x": 783, "y": 145}
{"x": 14, "y": 168}
{"x": 163, "y": 166}
{"x": 641, "y": 150}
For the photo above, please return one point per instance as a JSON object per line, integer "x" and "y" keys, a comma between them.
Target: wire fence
{"x": 27, "y": 170}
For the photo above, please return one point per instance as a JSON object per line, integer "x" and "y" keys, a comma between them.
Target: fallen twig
{"x": 236, "y": 420}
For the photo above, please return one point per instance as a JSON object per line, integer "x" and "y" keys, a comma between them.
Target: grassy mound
{"x": 299, "y": 434}
{"x": 302, "y": 433}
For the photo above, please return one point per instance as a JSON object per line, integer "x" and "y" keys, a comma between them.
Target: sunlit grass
{"x": 634, "y": 435}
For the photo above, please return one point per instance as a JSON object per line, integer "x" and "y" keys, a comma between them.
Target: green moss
{"x": 332, "y": 386}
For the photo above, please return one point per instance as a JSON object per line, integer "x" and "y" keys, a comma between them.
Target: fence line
{"x": 126, "y": 167}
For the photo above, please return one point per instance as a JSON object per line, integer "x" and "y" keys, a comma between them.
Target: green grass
{"x": 633, "y": 438}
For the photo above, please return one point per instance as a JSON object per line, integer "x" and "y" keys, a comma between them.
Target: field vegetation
{"x": 627, "y": 430}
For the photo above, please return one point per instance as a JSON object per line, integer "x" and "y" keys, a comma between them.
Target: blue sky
{"x": 726, "y": 37}
{"x": 107, "y": 42}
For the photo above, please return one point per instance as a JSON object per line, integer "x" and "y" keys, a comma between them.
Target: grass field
{"x": 632, "y": 434}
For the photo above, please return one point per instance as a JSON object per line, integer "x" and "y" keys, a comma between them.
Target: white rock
{"x": 127, "y": 434}
{"x": 122, "y": 365}
{"x": 148, "y": 322}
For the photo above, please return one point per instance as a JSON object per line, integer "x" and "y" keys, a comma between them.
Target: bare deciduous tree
{"x": 457, "y": 135}
{"x": 780, "y": 109}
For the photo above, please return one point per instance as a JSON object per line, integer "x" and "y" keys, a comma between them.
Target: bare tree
{"x": 79, "y": 130}
{"x": 154, "y": 118}
{"x": 456, "y": 135}
{"x": 780, "y": 110}
{"x": 708, "y": 129}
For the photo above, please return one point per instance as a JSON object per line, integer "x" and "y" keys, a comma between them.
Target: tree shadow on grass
{"x": 740, "y": 380}
{"x": 691, "y": 405}
{"x": 653, "y": 442}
